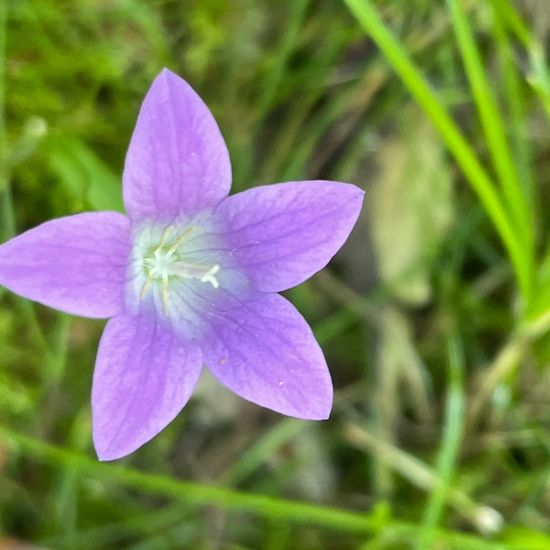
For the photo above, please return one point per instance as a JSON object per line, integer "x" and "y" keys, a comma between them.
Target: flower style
{"x": 190, "y": 277}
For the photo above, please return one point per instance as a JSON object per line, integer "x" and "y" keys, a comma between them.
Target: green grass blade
{"x": 478, "y": 178}
{"x": 493, "y": 127}
{"x": 539, "y": 77}
{"x": 273, "y": 79}
{"x": 516, "y": 109}
{"x": 507, "y": 12}
{"x": 275, "y": 76}
{"x": 7, "y": 221}
{"x": 447, "y": 457}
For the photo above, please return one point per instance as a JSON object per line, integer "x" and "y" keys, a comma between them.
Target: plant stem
{"x": 202, "y": 495}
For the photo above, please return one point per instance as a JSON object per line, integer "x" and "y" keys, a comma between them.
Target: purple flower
{"x": 189, "y": 277}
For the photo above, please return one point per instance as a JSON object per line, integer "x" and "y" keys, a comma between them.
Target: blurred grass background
{"x": 433, "y": 318}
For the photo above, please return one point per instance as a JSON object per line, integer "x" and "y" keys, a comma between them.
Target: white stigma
{"x": 209, "y": 277}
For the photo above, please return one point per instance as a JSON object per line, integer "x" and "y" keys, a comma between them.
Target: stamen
{"x": 166, "y": 233}
{"x": 182, "y": 238}
{"x": 165, "y": 294}
{"x": 146, "y": 286}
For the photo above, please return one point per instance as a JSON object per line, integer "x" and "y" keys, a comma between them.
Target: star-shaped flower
{"x": 190, "y": 277}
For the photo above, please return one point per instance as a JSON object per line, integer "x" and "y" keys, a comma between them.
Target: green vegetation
{"x": 435, "y": 318}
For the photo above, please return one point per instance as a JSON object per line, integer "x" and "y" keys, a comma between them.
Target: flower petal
{"x": 264, "y": 351}
{"x": 76, "y": 264}
{"x": 177, "y": 162}
{"x": 144, "y": 375}
{"x": 282, "y": 234}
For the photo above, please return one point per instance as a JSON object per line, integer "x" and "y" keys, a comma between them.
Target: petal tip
{"x": 356, "y": 192}
{"x": 320, "y": 414}
{"x": 165, "y": 72}
{"x": 356, "y": 197}
{"x": 316, "y": 417}
{"x": 103, "y": 455}
{"x": 105, "y": 458}
{"x": 108, "y": 453}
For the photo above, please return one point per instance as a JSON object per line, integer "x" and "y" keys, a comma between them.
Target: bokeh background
{"x": 433, "y": 318}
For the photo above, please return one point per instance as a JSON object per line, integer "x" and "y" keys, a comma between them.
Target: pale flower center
{"x": 166, "y": 262}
